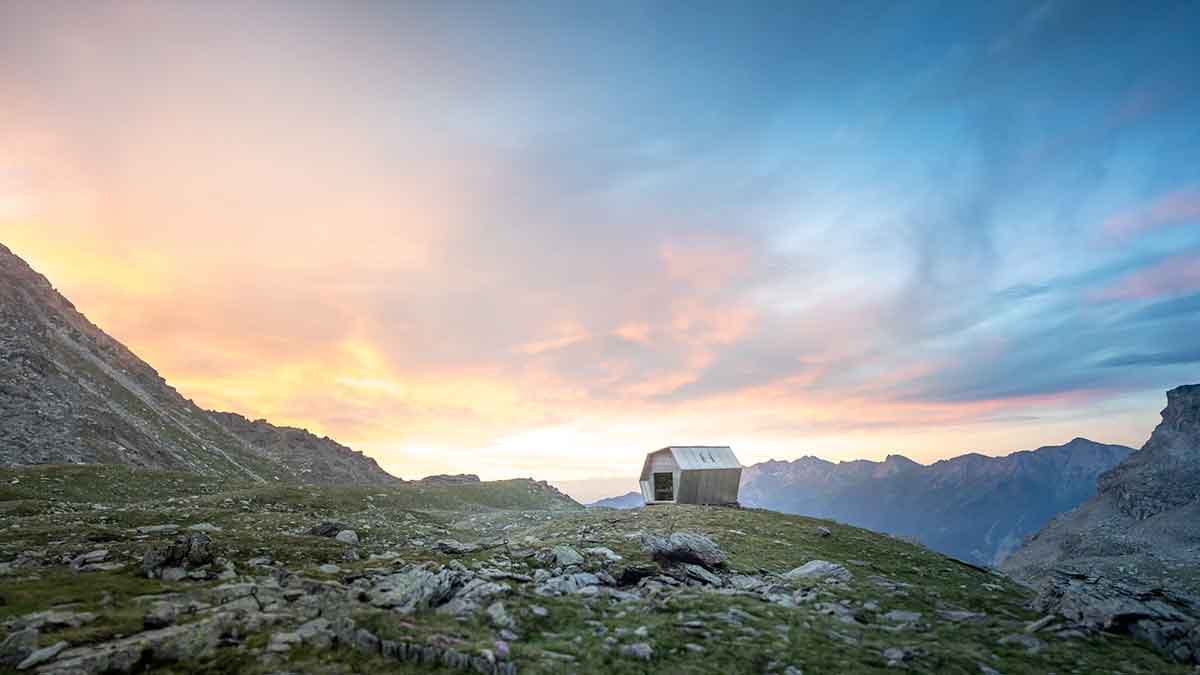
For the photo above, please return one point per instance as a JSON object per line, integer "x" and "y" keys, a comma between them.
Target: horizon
{"x": 513, "y": 242}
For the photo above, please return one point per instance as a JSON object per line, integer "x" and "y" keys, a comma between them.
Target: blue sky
{"x": 498, "y": 230}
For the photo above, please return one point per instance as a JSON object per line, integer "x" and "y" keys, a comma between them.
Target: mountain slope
{"x": 629, "y": 500}
{"x": 973, "y": 507}
{"x": 1134, "y": 548}
{"x": 70, "y": 394}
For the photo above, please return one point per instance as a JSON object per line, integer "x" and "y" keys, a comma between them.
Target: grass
{"x": 64, "y": 511}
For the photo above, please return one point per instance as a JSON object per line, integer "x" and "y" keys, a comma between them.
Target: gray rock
{"x": 329, "y": 568}
{"x": 568, "y": 584}
{"x": 192, "y": 549}
{"x": 638, "y": 650}
{"x": 316, "y": 633}
{"x": 329, "y": 529}
{"x": 18, "y": 646}
{"x": 472, "y": 596}
{"x": 499, "y": 616}
{"x": 413, "y": 590}
{"x": 160, "y": 615}
{"x": 565, "y": 556}
{"x": 601, "y": 552}
{"x": 820, "y": 569}
{"x": 896, "y": 656}
{"x": 347, "y": 537}
{"x": 901, "y": 616}
{"x": 684, "y": 547}
{"x": 454, "y": 547}
{"x": 1029, "y": 643}
{"x": 42, "y": 655}
{"x": 959, "y": 616}
{"x": 823, "y": 531}
{"x": 702, "y": 575}
{"x": 90, "y": 558}
{"x": 283, "y": 642}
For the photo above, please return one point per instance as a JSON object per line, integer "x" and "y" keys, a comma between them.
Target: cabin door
{"x": 664, "y": 487}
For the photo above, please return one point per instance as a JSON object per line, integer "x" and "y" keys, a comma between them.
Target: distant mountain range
{"x": 973, "y": 507}
{"x": 70, "y": 394}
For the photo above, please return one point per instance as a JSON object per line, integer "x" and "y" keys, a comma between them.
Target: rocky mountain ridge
{"x": 1129, "y": 557}
{"x": 71, "y": 394}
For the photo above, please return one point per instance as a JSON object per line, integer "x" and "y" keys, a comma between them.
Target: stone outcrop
{"x": 1128, "y": 560}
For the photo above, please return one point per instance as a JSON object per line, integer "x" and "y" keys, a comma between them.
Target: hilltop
{"x": 71, "y": 394}
{"x": 120, "y": 569}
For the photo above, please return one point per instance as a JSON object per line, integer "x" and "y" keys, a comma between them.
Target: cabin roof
{"x": 696, "y": 458}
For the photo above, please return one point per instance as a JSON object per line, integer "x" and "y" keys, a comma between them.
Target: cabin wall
{"x": 708, "y": 486}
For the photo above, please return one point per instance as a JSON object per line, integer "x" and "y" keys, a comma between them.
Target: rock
{"x": 454, "y": 547}
{"x": 959, "y": 616}
{"x": 42, "y": 655}
{"x": 631, "y": 574}
{"x": 702, "y": 575}
{"x": 568, "y": 584}
{"x": 896, "y": 656}
{"x": 204, "y": 527}
{"x": 823, "y": 531}
{"x": 347, "y": 537}
{"x": 173, "y": 574}
{"x": 366, "y": 642}
{"x": 193, "y": 549}
{"x": 901, "y": 616}
{"x": 638, "y": 650}
{"x": 744, "y": 582}
{"x": 601, "y": 552}
{"x": 413, "y": 590}
{"x": 160, "y": 615}
{"x": 1030, "y": 644}
{"x": 1035, "y": 626}
{"x": 18, "y": 646}
{"x": 1161, "y": 617}
{"x": 283, "y": 642}
{"x": 472, "y": 596}
{"x": 329, "y": 568}
{"x": 565, "y": 556}
{"x": 499, "y": 616}
{"x": 539, "y": 611}
{"x": 189, "y": 642}
{"x": 158, "y": 529}
{"x": 316, "y": 633}
{"x": 90, "y": 558}
{"x": 820, "y": 569}
{"x": 329, "y": 529}
{"x": 684, "y": 547}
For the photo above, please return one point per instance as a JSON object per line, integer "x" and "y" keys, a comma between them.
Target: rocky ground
{"x": 114, "y": 570}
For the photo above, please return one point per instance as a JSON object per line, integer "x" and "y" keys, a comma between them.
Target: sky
{"x": 540, "y": 239}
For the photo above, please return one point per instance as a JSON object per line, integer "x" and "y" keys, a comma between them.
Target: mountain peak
{"x": 75, "y": 395}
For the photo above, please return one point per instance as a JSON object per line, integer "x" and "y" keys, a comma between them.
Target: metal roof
{"x": 693, "y": 457}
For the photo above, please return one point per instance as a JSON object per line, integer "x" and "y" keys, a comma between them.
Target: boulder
{"x": 454, "y": 547}
{"x": 565, "y": 556}
{"x": 684, "y": 547}
{"x": 329, "y": 528}
{"x": 347, "y": 537}
{"x": 820, "y": 569}
{"x": 413, "y": 590}
{"x": 193, "y": 549}
{"x": 1168, "y": 620}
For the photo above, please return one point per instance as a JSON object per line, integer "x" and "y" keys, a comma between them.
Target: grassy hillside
{"x": 967, "y": 616}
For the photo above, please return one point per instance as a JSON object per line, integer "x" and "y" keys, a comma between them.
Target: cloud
{"x": 1175, "y": 275}
{"x": 1175, "y": 208}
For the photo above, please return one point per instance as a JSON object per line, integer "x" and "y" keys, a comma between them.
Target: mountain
{"x": 629, "y": 500}
{"x": 70, "y": 394}
{"x": 1129, "y": 557}
{"x": 973, "y": 507}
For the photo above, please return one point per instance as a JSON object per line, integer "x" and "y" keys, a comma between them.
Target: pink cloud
{"x": 1179, "y": 274}
{"x": 1171, "y": 209}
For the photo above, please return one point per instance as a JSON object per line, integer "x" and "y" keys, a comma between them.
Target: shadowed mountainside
{"x": 71, "y": 394}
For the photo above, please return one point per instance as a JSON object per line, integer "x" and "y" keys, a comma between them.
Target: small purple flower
{"x": 501, "y": 649}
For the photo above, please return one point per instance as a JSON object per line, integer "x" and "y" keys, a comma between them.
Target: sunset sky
{"x": 541, "y": 239}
